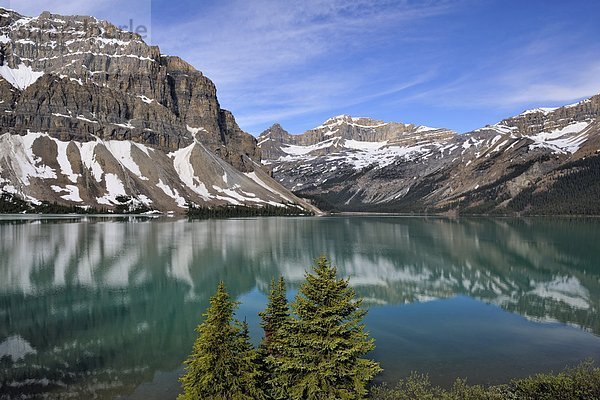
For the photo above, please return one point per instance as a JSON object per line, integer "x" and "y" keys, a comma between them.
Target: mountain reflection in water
{"x": 98, "y": 306}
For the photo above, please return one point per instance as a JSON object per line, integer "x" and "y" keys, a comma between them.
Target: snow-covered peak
{"x": 579, "y": 103}
{"x": 361, "y": 122}
{"x": 543, "y": 110}
{"x": 548, "y": 110}
{"x": 338, "y": 119}
{"x": 8, "y": 13}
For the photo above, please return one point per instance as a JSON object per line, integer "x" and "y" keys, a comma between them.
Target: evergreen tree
{"x": 276, "y": 315}
{"x": 223, "y": 364}
{"x": 322, "y": 354}
{"x": 250, "y": 366}
{"x": 275, "y": 323}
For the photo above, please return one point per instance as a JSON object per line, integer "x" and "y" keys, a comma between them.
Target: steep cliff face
{"x": 89, "y": 112}
{"x": 520, "y": 164}
{"x": 86, "y": 67}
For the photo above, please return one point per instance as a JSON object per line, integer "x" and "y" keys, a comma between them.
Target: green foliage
{"x": 128, "y": 205}
{"x": 321, "y": 354}
{"x": 11, "y": 204}
{"x": 315, "y": 354}
{"x": 276, "y": 315}
{"x": 418, "y": 387}
{"x": 223, "y": 365}
{"x": 319, "y": 201}
{"x": 582, "y": 382}
{"x": 245, "y": 211}
{"x": 575, "y": 191}
{"x": 275, "y": 321}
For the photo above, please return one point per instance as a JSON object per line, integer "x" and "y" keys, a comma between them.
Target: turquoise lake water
{"x": 107, "y": 307}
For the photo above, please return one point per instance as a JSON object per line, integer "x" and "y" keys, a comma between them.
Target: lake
{"x": 107, "y": 307}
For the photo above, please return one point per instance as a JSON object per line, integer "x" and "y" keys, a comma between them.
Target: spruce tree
{"x": 251, "y": 375}
{"x": 276, "y": 315}
{"x": 322, "y": 354}
{"x": 275, "y": 322}
{"x": 223, "y": 364}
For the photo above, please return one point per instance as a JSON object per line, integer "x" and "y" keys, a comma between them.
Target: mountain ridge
{"x": 438, "y": 170}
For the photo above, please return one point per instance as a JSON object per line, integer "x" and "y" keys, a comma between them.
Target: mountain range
{"x": 92, "y": 116}
{"x": 542, "y": 161}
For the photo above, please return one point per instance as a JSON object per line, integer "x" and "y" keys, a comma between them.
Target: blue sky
{"x": 458, "y": 64}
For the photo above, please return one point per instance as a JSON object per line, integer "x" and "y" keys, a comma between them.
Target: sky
{"x": 458, "y": 64}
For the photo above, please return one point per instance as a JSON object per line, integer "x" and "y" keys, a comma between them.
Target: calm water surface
{"x": 107, "y": 307}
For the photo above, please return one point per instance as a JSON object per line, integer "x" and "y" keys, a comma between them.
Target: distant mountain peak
{"x": 344, "y": 119}
{"x": 360, "y": 164}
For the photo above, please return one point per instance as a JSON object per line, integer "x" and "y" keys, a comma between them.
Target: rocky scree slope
{"x": 542, "y": 161}
{"x": 91, "y": 114}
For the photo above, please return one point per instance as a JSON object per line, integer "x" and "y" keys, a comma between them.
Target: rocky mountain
{"x": 544, "y": 161}
{"x": 93, "y": 116}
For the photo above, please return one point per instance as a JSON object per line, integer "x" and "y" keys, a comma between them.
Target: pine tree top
{"x": 223, "y": 363}
{"x": 325, "y": 296}
{"x": 277, "y": 307}
{"x": 221, "y": 308}
{"x": 321, "y": 355}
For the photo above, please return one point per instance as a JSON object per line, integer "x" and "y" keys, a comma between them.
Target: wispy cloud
{"x": 272, "y": 60}
{"x": 540, "y": 71}
{"x": 240, "y": 40}
{"x": 320, "y": 94}
{"x": 449, "y": 63}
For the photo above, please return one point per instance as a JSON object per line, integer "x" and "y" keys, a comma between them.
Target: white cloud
{"x": 271, "y": 59}
{"x": 241, "y": 40}
{"x": 274, "y": 60}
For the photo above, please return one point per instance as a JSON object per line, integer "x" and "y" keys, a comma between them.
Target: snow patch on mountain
{"x": 24, "y": 162}
{"x": 296, "y": 150}
{"x": 114, "y": 189}
{"x": 172, "y": 193}
{"x": 122, "y": 152}
{"x": 366, "y": 154}
{"x": 145, "y": 99}
{"x": 364, "y": 146}
{"x": 63, "y": 161}
{"x": 72, "y": 192}
{"x": 352, "y": 121}
{"x": 260, "y": 182}
{"x": 21, "y": 77}
{"x": 423, "y": 128}
{"x": 561, "y": 141}
{"x": 183, "y": 166}
{"x": 88, "y": 158}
